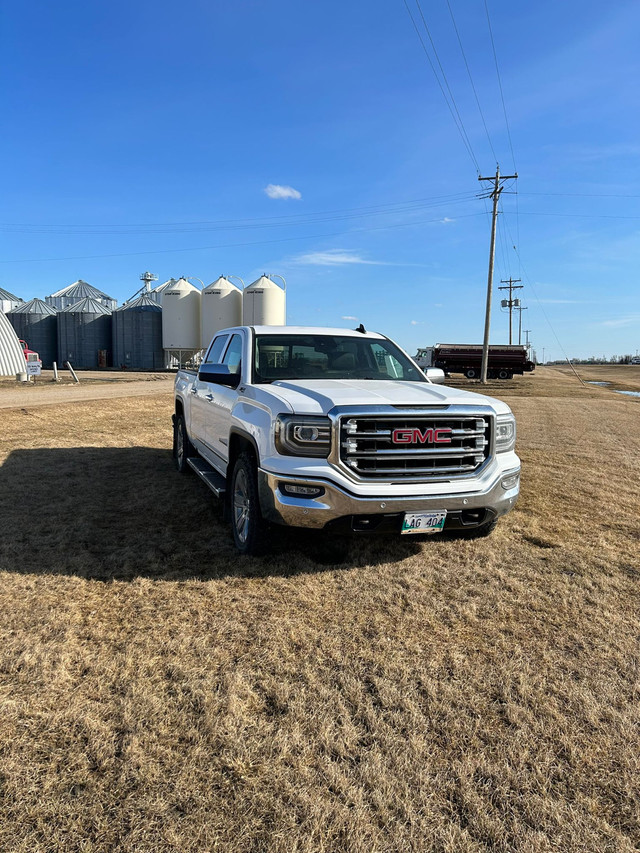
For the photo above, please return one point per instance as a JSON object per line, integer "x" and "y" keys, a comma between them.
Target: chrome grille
{"x": 461, "y": 446}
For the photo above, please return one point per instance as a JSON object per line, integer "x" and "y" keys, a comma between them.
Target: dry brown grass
{"x": 160, "y": 693}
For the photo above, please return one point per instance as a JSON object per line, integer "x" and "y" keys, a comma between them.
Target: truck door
{"x": 220, "y": 402}
{"x": 200, "y": 393}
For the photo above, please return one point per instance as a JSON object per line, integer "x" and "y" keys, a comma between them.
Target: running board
{"x": 208, "y": 475}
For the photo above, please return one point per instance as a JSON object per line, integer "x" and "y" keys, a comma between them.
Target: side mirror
{"x": 219, "y": 374}
{"x": 435, "y": 375}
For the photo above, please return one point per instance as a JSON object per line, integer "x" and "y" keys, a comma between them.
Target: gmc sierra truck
{"x": 340, "y": 430}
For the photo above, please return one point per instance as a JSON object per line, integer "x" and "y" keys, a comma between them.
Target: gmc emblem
{"x": 413, "y": 435}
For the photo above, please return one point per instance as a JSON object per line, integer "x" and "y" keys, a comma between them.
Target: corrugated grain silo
{"x": 76, "y": 292}
{"x": 137, "y": 335}
{"x": 84, "y": 332}
{"x": 35, "y": 322}
{"x": 8, "y": 301}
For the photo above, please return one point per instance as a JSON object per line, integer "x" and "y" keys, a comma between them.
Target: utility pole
{"x": 520, "y": 309}
{"x": 543, "y": 348}
{"x": 526, "y": 331}
{"x": 495, "y": 195}
{"x": 510, "y": 282}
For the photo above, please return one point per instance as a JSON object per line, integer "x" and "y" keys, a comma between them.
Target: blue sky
{"x": 144, "y": 135}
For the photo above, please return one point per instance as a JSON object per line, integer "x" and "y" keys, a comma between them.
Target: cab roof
{"x": 313, "y": 330}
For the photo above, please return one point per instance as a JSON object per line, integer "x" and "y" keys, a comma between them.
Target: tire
{"x": 480, "y": 532}
{"x": 182, "y": 447}
{"x": 503, "y": 374}
{"x": 471, "y": 373}
{"x": 249, "y": 528}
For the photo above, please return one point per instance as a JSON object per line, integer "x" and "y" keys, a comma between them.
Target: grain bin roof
{"x": 10, "y": 297}
{"x": 88, "y": 305}
{"x": 11, "y": 356}
{"x": 35, "y": 306}
{"x": 80, "y": 289}
{"x": 142, "y": 303}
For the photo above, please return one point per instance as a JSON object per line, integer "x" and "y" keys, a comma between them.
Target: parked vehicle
{"x": 503, "y": 361}
{"x": 29, "y": 354}
{"x": 340, "y": 430}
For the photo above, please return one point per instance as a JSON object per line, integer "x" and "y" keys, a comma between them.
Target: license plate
{"x": 424, "y": 522}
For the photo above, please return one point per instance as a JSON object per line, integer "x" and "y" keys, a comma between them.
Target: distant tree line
{"x": 594, "y": 359}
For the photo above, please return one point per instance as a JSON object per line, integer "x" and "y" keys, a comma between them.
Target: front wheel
{"x": 249, "y": 527}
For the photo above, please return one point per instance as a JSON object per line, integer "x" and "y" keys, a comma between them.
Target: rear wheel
{"x": 249, "y": 527}
{"x": 503, "y": 374}
{"x": 471, "y": 373}
{"x": 182, "y": 447}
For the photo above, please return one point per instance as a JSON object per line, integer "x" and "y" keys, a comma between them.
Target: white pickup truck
{"x": 340, "y": 430}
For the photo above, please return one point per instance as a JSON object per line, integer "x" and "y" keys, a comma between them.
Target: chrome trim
{"x": 339, "y": 415}
{"x": 337, "y": 503}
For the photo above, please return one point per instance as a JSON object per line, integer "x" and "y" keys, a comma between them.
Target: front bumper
{"x": 467, "y": 509}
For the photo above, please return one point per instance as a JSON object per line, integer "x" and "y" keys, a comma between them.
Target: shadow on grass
{"x": 122, "y": 513}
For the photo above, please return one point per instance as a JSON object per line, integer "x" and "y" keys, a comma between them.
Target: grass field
{"x": 160, "y": 693}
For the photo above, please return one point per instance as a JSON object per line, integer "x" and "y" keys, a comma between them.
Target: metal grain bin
{"x": 35, "y": 322}
{"x": 137, "y": 335}
{"x": 77, "y": 292}
{"x": 83, "y": 330}
{"x": 9, "y": 301}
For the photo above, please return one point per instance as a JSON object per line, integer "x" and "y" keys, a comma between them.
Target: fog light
{"x": 511, "y": 481}
{"x": 295, "y": 490}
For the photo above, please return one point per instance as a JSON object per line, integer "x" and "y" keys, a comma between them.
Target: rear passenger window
{"x": 215, "y": 350}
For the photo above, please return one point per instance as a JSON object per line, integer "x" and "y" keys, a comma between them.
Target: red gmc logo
{"x": 441, "y": 435}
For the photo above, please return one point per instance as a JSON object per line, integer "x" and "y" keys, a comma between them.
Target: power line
{"x": 486, "y": 130}
{"x": 458, "y": 121}
{"x": 585, "y": 195}
{"x": 235, "y": 245}
{"x": 579, "y": 215}
{"x": 504, "y": 108}
{"x": 292, "y": 220}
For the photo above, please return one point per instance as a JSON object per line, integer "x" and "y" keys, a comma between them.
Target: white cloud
{"x": 417, "y": 323}
{"x": 446, "y": 220}
{"x": 349, "y": 317}
{"x": 278, "y": 191}
{"x": 334, "y": 258}
{"x": 630, "y": 320}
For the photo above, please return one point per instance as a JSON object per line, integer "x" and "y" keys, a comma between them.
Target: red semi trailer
{"x": 504, "y": 361}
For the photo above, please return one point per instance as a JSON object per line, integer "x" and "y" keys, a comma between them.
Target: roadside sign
{"x": 34, "y": 368}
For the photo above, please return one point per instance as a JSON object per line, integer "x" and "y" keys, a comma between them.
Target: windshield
{"x": 330, "y": 357}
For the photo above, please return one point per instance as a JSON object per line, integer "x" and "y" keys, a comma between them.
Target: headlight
{"x": 297, "y": 435}
{"x": 505, "y": 433}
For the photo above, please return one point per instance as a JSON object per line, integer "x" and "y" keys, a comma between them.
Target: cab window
{"x": 215, "y": 350}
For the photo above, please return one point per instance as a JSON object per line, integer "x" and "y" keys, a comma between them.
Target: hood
{"x": 318, "y": 397}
